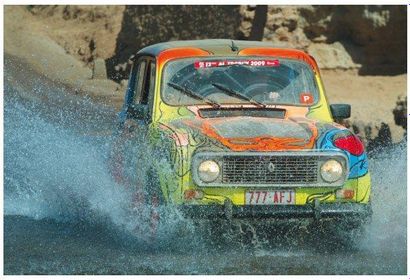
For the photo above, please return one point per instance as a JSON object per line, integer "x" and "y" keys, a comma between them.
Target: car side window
{"x": 140, "y": 75}
{"x": 150, "y": 81}
{"x": 145, "y": 83}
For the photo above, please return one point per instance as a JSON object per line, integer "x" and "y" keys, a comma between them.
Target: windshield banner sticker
{"x": 223, "y": 63}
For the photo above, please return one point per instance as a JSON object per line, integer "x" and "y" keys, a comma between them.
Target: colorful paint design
{"x": 235, "y": 133}
{"x": 183, "y": 131}
{"x": 358, "y": 164}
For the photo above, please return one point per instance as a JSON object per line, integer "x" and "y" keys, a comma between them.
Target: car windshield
{"x": 255, "y": 80}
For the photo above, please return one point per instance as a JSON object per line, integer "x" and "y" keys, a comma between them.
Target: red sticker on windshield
{"x": 222, "y": 63}
{"x": 306, "y": 98}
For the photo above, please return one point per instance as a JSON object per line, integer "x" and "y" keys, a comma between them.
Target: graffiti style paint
{"x": 358, "y": 164}
{"x": 183, "y": 131}
{"x": 255, "y": 134}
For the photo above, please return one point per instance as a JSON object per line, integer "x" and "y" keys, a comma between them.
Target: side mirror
{"x": 340, "y": 111}
{"x": 138, "y": 111}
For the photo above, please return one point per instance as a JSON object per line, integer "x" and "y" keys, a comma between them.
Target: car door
{"x": 135, "y": 117}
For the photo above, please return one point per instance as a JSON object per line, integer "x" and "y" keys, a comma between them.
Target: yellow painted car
{"x": 238, "y": 129}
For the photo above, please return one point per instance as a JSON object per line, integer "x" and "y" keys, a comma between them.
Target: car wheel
{"x": 356, "y": 222}
{"x": 147, "y": 201}
{"x": 154, "y": 200}
{"x": 349, "y": 230}
{"x": 220, "y": 231}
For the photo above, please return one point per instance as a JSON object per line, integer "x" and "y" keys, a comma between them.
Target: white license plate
{"x": 277, "y": 197}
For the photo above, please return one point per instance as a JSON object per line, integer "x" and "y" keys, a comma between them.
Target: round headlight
{"x": 208, "y": 171}
{"x": 331, "y": 171}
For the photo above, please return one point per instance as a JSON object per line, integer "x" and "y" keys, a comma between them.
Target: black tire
{"x": 349, "y": 230}
{"x": 357, "y": 221}
{"x": 154, "y": 200}
{"x": 147, "y": 203}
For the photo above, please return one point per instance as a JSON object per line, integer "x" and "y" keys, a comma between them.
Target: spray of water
{"x": 55, "y": 156}
{"x": 389, "y": 200}
{"x": 53, "y": 172}
{"x": 54, "y": 169}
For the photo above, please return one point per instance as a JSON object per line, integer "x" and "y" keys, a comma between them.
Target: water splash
{"x": 389, "y": 200}
{"x": 54, "y": 172}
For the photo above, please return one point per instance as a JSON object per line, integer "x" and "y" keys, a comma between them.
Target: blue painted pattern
{"x": 358, "y": 165}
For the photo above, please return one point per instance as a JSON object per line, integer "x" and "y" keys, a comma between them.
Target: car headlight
{"x": 208, "y": 171}
{"x": 331, "y": 171}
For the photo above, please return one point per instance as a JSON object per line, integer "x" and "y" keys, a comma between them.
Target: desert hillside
{"x": 360, "y": 49}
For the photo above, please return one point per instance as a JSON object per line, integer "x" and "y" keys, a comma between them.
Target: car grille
{"x": 284, "y": 170}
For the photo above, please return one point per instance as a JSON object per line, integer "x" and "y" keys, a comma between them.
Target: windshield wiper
{"x": 194, "y": 95}
{"x": 239, "y": 95}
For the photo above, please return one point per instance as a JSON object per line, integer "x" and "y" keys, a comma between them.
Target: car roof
{"x": 213, "y": 46}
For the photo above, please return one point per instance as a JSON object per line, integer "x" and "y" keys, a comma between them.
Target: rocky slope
{"x": 369, "y": 38}
{"x": 360, "y": 49}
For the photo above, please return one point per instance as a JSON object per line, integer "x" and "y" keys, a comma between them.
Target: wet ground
{"x": 65, "y": 215}
{"x": 47, "y": 247}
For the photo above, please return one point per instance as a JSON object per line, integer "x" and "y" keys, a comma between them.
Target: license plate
{"x": 277, "y": 197}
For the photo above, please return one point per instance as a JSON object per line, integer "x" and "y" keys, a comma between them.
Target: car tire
{"x": 148, "y": 201}
{"x": 350, "y": 230}
{"x": 154, "y": 200}
{"x": 354, "y": 222}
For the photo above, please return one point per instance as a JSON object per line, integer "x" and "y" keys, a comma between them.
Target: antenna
{"x": 234, "y": 47}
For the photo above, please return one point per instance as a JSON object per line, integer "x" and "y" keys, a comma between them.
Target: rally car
{"x": 238, "y": 130}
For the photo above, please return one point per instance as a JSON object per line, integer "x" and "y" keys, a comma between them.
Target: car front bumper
{"x": 315, "y": 210}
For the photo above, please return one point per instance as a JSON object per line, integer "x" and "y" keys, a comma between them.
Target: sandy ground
{"x": 27, "y": 39}
{"x": 372, "y": 97}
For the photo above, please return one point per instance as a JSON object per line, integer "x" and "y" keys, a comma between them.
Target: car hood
{"x": 248, "y": 133}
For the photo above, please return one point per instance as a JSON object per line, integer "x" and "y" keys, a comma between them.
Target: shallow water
{"x": 64, "y": 214}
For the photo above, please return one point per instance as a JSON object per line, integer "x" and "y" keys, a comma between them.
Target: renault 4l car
{"x": 246, "y": 132}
